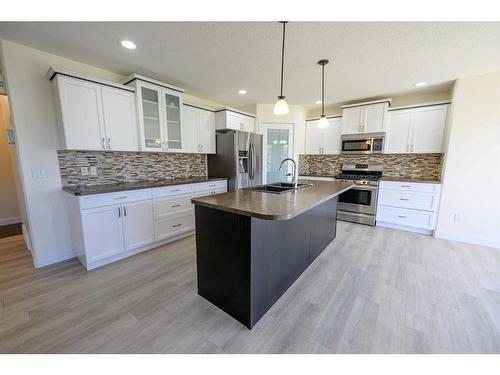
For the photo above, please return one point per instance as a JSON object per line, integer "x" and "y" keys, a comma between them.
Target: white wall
{"x": 9, "y": 209}
{"x": 471, "y": 179}
{"x": 297, "y": 116}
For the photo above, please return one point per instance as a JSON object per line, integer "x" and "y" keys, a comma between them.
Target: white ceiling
{"x": 216, "y": 59}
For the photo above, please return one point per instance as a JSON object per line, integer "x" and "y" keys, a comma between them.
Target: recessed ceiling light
{"x": 128, "y": 44}
{"x": 420, "y": 84}
{"x": 318, "y": 102}
{"x": 242, "y": 92}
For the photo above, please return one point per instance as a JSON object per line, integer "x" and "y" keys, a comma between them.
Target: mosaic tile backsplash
{"x": 117, "y": 166}
{"x": 419, "y": 166}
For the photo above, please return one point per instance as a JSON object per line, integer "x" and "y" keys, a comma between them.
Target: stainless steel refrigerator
{"x": 238, "y": 158}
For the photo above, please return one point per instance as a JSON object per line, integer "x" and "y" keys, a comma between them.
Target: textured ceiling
{"x": 215, "y": 59}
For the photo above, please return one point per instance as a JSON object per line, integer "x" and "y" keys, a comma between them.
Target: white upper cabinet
{"x": 417, "y": 130}
{"x": 429, "y": 128}
{"x": 323, "y": 141}
{"x": 94, "y": 115}
{"x": 199, "y": 130}
{"x": 120, "y": 119}
{"x": 159, "y": 112}
{"x": 364, "y": 118}
{"x": 399, "y": 131}
{"x": 81, "y": 114}
{"x": 332, "y": 136}
{"x": 228, "y": 119}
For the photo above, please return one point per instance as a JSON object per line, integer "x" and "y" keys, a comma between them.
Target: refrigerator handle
{"x": 250, "y": 161}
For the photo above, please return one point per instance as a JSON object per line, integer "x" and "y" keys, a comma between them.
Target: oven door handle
{"x": 364, "y": 187}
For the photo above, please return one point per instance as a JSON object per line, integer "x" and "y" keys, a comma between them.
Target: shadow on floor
{"x": 10, "y": 230}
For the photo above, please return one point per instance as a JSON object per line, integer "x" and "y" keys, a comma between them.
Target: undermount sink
{"x": 279, "y": 187}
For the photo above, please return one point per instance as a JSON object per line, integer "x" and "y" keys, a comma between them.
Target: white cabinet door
{"x": 190, "y": 142}
{"x": 102, "y": 232}
{"x": 206, "y": 131}
{"x": 234, "y": 121}
{"x": 82, "y": 114}
{"x": 314, "y": 138}
{"x": 249, "y": 124}
{"x": 428, "y": 129}
{"x": 173, "y": 122}
{"x": 352, "y": 120}
{"x": 150, "y": 116}
{"x": 399, "y": 131}
{"x": 138, "y": 224}
{"x": 120, "y": 119}
{"x": 332, "y": 136}
{"x": 374, "y": 117}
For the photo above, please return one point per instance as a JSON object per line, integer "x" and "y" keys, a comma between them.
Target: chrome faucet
{"x": 294, "y": 179}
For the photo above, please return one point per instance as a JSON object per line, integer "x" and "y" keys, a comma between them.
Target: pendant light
{"x": 281, "y": 106}
{"x": 323, "y": 121}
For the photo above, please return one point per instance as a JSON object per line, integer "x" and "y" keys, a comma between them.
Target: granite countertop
{"x": 124, "y": 186}
{"x": 271, "y": 206}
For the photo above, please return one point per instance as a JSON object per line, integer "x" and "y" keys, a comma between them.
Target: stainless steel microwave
{"x": 366, "y": 143}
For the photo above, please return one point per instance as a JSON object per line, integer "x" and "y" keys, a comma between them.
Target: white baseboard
{"x": 10, "y": 220}
{"x": 467, "y": 239}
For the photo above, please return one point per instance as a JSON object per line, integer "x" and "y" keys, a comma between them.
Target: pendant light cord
{"x": 282, "y": 57}
{"x": 323, "y": 90}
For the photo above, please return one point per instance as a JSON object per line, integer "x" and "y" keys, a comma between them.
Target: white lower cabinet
{"x": 111, "y": 226}
{"x": 408, "y": 205}
{"x": 138, "y": 230}
{"x": 102, "y": 232}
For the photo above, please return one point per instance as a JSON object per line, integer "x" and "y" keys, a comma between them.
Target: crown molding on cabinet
{"x": 386, "y": 100}
{"x": 52, "y": 72}
{"x": 132, "y": 77}
{"x": 427, "y": 104}
{"x": 235, "y": 111}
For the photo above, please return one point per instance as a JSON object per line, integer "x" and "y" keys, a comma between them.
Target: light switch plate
{"x": 93, "y": 171}
{"x": 85, "y": 171}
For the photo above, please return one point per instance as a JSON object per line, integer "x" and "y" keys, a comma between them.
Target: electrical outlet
{"x": 85, "y": 171}
{"x": 39, "y": 172}
{"x": 93, "y": 171}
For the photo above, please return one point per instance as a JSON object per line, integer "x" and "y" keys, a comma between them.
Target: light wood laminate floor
{"x": 373, "y": 290}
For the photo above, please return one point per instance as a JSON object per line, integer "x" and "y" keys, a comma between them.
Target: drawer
{"x": 410, "y": 218}
{"x": 408, "y": 199}
{"x": 172, "y": 190}
{"x": 164, "y": 207}
{"x": 410, "y": 186}
{"x": 108, "y": 199}
{"x": 212, "y": 185}
{"x": 174, "y": 225}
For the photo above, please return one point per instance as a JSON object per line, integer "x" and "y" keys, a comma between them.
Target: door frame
{"x": 266, "y": 125}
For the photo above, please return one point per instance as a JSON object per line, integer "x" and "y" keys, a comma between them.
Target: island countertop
{"x": 271, "y": 206}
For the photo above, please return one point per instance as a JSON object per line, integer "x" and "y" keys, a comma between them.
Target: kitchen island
{"x": 251, "y": 246}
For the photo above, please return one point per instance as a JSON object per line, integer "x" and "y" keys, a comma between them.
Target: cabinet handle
{"x": 124, "y": 211}
{"x": 403, "y": 199}
{"x": 412, "y": 148}
{"x": 406, "y": 186}
{"x": 402, "y": 217}
{"x": 121, "y": 198}
{"x": 109, "y": 143}
{"x": 176, "y": 225}
{"x": 175, "y": 190}
{"x": 211, "y": 185}
{"x": 175, "y": 205}
{"x": 103, "y": 143}
{"x": 119, "y": 212}
{"x": 201, "y": 148}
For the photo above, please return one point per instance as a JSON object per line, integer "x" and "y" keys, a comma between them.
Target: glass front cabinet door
{"x": 160, "y": 117}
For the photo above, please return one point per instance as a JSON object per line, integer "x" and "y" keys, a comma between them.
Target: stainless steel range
{"x": 359, "y": 204}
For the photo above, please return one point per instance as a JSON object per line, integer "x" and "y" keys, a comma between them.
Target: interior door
{"x": 278, "y": 141}
{"x": 314, "y": 138}
{"x": 82, "y": 114}
{"x": 332, "y": 136}
{"x": 399, "y": 131}
{"x": 351, "y": 120}
{"x": 190, "y": 138}
{"x": 206, "y": 131}
{"x": 103, "y": 232}
{"x": 120, "y": 119}
{"x": 138, "y": 224}
{"x": 428, "y": 129}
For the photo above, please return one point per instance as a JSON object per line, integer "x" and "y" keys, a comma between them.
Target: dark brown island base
{"x": 251, "y": 246}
